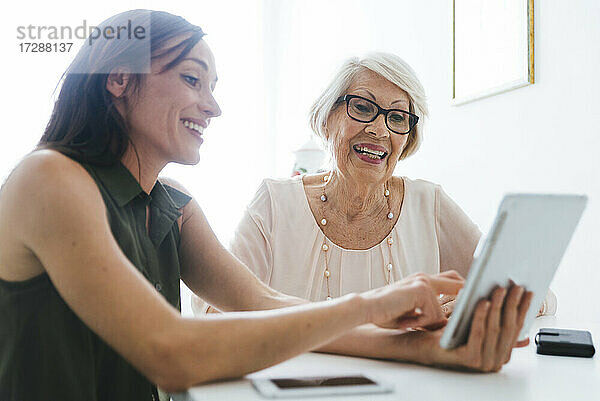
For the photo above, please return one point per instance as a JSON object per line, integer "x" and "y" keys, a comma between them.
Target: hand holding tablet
{"x": 525, "y": 246}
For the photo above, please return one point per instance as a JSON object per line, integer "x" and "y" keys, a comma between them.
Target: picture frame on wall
{"x": 492, "y": 47}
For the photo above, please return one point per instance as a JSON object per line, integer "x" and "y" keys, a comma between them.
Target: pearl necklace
{"x": 387, "y": 269}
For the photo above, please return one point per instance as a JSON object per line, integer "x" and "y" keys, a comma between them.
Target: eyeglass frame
{"x": 380, "y": 110}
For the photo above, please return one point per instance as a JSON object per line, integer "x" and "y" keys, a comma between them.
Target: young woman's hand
{"x": 494, "y": 331}
{"x": 412, "y": 302}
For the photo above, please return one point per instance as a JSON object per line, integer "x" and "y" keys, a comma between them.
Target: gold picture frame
{"x": 492, "y": 47}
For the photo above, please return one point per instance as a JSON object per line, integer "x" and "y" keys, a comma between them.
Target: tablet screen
{"x": 324, "y": 381}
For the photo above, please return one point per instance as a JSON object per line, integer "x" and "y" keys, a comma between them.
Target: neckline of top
{"x": 306, "y": 206}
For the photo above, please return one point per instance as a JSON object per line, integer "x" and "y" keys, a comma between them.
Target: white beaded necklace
{"x": 387, "y": 269}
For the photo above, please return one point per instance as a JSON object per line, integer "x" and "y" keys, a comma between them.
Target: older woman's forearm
{"x": 262, "y": 298}
{"x": 370, "y": 341}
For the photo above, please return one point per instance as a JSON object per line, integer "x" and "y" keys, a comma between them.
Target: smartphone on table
{"x": 319, "y": 386}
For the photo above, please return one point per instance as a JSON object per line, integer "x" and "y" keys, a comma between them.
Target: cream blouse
{"x": 279, "y": 239}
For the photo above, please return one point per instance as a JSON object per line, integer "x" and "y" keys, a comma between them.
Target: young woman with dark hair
{"x": 93, "y": 245}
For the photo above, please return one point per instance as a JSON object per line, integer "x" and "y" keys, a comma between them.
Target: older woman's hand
{"x": 447, "y": 301}
{"x": 494, "y": 330}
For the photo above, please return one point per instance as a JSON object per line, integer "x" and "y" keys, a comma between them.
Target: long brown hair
{"x": 85, "y": 123}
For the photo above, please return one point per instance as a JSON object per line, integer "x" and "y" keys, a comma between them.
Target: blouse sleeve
{"x": 457, "y": 234}
{"x": 251, "y": 242}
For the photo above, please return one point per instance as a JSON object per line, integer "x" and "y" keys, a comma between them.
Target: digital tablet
{"x": 525, "y": 244}
{"x": 299, "y": 387}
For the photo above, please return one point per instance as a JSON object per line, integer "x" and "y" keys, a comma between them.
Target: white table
{"x": 528, "y": 376}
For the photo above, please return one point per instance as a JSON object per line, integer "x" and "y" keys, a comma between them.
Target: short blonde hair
{"x": 390, "y": 67}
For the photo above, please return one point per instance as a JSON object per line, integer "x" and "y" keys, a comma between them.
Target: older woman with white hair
{"x": 358, "y": 226}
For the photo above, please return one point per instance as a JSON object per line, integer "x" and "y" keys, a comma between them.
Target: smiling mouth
{"x": 193, "y": 126}
{"x": 370, "y": 153}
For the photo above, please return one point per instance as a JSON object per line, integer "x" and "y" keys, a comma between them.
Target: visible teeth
{"x": 375, "y": 152}
{"x": 371, "y": 153}
{"x": 192, "y": 125}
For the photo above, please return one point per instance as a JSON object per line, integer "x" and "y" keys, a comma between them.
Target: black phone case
{"x": 564, "y": 342}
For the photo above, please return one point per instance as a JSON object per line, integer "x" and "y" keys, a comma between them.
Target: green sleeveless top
{"x": 46, "y": 351}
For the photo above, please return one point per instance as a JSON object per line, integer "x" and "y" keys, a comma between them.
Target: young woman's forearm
{"x": 234, "y": 344}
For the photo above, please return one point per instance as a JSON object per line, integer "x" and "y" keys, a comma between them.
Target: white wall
{"x": 541, "y": 138}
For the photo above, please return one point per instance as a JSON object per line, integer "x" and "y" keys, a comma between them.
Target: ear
{"x": 117, "y": 81}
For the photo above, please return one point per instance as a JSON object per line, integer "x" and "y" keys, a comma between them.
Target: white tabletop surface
{"x": 528, "y": 376}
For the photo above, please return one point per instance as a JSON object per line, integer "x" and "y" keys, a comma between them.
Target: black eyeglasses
{"x": 365, "y": 111}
